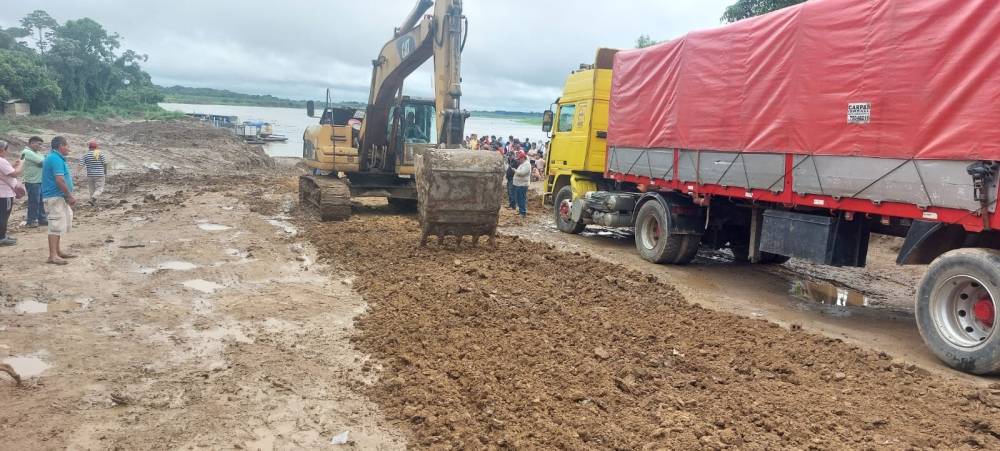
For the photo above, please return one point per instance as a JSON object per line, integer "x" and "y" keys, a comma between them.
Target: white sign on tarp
{"x": 859, "y": 113}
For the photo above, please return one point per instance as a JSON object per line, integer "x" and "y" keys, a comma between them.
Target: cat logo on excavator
{"x": 406, "y": 44}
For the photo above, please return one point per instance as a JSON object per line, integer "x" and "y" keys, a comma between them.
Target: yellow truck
{"x": 578, "y": 145}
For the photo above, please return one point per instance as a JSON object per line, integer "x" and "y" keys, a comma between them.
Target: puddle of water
{"x": 829, "y": 294}
{"x": 177, "y": 266}
{"x": 228, "y": 208}
{"x": 203, "y": 286}
{"x": 31, "y": 307}
{"x": 27, "y": 366}
{"x": 290, "y": 229}
{"x": 213, "y": 227}
{"x": 617, "y": 234}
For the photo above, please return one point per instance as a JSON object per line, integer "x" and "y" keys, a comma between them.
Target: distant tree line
{"x": 210, "y": 96}
{"x": 76, "y": 65}
{"x": 742, "y": 9}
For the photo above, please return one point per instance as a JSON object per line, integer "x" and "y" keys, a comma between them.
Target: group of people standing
{"x": 524, "y": 161}
{"x": 48, "y": 185}
{"x": 534, "y": 150}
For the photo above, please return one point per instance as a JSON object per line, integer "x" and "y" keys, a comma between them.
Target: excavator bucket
{"x": 459, "y": 193}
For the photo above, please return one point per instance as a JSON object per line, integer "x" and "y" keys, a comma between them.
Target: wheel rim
{"x": 650, "y": 232}
{"x": 964, "y": 311}
{"x": 564, "y": 211}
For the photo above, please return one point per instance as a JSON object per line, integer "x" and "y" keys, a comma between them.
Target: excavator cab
{"x": 416, "y": 121}
{"x": 413, "y": 129}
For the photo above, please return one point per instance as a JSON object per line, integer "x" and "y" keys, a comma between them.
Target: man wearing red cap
{"x": 97, "y": 167}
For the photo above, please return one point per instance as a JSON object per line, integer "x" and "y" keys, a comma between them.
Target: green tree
{"x": 39, "y": 21}
{"x": 21, "y": 77}
{"x": 645, "y": 41}
{"x": 134, "y": 96}
{"x": 744, "y": 9}
{"x": 9, "y": 38}
{"x": 89, "y": 72}
{"x": 73, "y": 66}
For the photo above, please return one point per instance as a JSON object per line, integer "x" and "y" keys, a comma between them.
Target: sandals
{"x": 68, "y": 256}
{"x": 57, "y": 262}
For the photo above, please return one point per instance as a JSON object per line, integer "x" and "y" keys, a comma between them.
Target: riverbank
{"x": 207, "y": 310}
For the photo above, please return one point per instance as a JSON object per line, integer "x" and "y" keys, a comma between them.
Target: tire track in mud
{"x": 521, "y": 347}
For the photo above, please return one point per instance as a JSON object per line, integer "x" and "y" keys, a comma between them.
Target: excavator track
{"x": 327, "y": 195}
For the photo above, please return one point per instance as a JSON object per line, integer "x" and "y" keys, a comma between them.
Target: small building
{"x": 15, "y": 107}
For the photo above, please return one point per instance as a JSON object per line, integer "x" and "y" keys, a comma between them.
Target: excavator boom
{"x": 438, "y": 35}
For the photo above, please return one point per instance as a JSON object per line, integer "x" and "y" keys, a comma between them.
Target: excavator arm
{"x": 438, "y": 35}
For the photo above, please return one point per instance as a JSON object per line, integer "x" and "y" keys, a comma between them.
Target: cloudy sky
{"x": 517, "y": 57}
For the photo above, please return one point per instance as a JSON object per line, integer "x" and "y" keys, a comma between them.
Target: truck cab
{"x": 577, "y": 126}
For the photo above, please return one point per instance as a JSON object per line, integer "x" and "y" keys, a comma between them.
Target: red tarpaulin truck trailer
{"x": 797, "y": 134}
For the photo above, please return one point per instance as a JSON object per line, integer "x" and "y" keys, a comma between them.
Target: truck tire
{"x": 562, "y": 203}
{"x": 653, "y": 241}
{"x": 956, "y": 309}
{"x": 689, "y": 249}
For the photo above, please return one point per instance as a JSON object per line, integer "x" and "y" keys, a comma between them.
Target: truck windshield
{"x": 566, "y": 113}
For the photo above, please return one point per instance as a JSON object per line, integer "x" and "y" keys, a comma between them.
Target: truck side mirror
{"x": 310, "y": 108}
{"x": 547, "y": 121}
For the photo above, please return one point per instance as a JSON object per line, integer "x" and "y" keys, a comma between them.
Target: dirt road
{"x": 529, "y": 347}
{"x": 207, "y": 312}
{"x": 187, "y": 322}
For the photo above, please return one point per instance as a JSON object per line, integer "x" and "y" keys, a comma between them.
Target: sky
{"x": 517, "y": 56}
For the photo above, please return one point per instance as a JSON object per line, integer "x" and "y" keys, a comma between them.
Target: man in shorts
{"x": 57, "y": 194}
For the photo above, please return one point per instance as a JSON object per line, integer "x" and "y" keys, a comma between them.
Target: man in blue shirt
{"x": 57, "y": 194}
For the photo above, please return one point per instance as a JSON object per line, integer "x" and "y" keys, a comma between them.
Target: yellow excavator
{"x": 407, "y": 149}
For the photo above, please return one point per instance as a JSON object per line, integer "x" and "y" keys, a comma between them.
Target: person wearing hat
{"x": 97, "y": 167}
{"x": 522, "y": 178}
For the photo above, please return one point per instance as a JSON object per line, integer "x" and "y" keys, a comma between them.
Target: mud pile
{"x": 73, "y": 125}
{"x": 522, "y": 347}
{"x": 187, "y": 146}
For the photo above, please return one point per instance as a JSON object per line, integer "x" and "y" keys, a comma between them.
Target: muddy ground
{"x": 207, "y": 311}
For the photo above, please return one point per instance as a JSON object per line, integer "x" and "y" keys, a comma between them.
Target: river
{"x": 291, "y": 122}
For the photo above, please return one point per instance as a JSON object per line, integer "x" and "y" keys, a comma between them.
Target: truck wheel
{"x": 689, "y": 249}
{"x": 956, "y": 309}
{"x": 563, "y": 204}
{"x": 653, "y": 241}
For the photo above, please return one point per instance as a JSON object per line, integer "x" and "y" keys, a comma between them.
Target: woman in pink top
{"x": 8, "y": 186}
